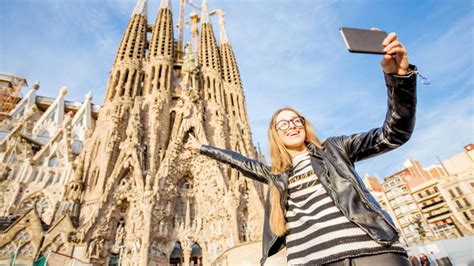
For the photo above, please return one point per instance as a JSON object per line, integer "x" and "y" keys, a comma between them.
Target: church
{"x": 112, "y": 184}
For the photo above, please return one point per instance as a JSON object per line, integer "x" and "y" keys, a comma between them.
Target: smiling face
{"x": 292, "y": 134}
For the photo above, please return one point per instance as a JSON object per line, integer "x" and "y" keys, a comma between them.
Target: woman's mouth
{"x": 293, "y": 134}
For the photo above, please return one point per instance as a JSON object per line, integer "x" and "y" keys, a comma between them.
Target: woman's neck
{"x": 297, "y": 151}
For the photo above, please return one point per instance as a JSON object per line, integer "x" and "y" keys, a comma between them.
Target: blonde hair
{"x": 281, "y": 162}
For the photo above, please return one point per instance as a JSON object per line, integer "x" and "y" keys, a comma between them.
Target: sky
{"x": 289, "y": 53}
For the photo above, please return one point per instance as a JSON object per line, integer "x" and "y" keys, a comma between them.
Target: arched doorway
{"x": 176, "y": 257}
{"x": 196, "y": 255}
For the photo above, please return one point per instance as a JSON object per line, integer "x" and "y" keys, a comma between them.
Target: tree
{"x": 419, "y": 228}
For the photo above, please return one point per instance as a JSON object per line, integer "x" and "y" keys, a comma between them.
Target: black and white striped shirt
{"x": 318, "y": 232}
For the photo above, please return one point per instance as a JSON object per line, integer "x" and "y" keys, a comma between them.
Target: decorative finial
{"x": 140, "y": 8}
{"x": 63, "y": 91}
{"x": 165, "y": 4}
{"x": 205, "y": 12}
{"x": 36, "y": 86}
{"x": 222, "y": 32}
{"x": 89, "y": 96}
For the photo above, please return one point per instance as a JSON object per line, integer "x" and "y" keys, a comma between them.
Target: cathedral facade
{"x": 113, "y": 184}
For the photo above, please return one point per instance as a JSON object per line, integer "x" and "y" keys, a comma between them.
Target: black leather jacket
{"x": 334, "y": 166}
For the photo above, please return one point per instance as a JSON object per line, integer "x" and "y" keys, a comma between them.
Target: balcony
{"x": 427, "y": 197}
{"x": 433, "y": 206}
{"x": 439, "y": 216}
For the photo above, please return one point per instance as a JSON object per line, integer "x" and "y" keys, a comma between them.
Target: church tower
{"x": 212, "y": 83}
{"x": 133, "y": 195}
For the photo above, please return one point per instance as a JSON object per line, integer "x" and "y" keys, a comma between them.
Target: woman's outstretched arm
{"x": 248, "y": 167}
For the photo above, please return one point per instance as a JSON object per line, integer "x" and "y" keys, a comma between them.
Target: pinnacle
{"x": 205, "y": 12}
{"x": 141, "y": 8}
{"x": 165, "y": 4}
{"x": 222, "y": 31}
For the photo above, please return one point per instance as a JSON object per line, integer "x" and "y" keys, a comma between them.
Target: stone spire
{"x": 208, "y": 54}
{"x": 125, "y": 73}
{"x": 212, "y": 80}
{"x": 234, "y": 94}
{"x": 161, "y": 43}
{"x": 230, "y": 70}
{"x": 140, "y": 8}
{"x": 160, "y": 54}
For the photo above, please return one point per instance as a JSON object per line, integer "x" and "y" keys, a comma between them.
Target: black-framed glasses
{"x": 284, "y": 125}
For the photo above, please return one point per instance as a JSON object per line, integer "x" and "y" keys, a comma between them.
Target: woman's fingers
{"x": 396, "y": 50}
{"x": 390, "y": 38}
{"x": 392, "y": 45}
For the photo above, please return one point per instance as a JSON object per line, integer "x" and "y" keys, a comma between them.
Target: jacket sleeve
{"x": 248, "y": 167}
{"x": 397, "y": 127}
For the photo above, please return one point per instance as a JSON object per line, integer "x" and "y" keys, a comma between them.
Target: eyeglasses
{"x": 284, "y": 125}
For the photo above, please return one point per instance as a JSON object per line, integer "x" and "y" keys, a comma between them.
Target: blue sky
{"x": 290, "y": 53}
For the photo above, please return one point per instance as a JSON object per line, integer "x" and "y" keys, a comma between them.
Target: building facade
{"x": 408, "y": 216}
{"x": 10, "y": 93}
{"x": 430, "y": 203}
{"x": 114, "y": 184}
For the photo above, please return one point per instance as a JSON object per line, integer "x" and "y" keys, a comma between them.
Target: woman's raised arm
{"x": 400, "y": 78}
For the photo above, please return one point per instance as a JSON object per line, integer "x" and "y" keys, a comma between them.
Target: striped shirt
{"x": 318, "y": 232}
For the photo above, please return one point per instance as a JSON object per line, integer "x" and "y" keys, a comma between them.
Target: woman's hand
{"x": 395, "y": 59}
{"x": 193, "y": 144}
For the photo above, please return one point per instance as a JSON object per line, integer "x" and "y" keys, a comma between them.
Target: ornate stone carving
{"x": 121, "y": 191}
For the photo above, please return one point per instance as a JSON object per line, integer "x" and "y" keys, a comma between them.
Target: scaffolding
{"x": 10, "y": 93}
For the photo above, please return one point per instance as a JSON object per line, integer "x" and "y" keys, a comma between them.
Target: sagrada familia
{"x": 112, "y": 184}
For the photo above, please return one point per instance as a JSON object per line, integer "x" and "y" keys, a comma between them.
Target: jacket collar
{"x": 313, "y": 150}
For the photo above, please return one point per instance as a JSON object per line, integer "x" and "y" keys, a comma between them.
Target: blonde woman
{"x": 317, "y": 204}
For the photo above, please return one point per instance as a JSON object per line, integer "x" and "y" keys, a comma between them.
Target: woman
{"x": 317, "y": 204}
{"x": 424, "y": 260}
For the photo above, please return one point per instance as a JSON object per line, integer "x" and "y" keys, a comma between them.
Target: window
{"x": 466, "y": 216}
{"x": 52, "y": 161}
{"x": 466, "y": 202}
{"x": 404, "y": 208}
{"x": 459, "y": 204}
{"x": 399, "y": 200}
{"x": 452, "y": 193}
{"x": 459, "y": 190}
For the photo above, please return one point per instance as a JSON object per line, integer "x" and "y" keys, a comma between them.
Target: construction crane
{"x": 193, "y": 20}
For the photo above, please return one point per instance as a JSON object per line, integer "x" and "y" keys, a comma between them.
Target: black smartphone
{"x": 363, "y": 40}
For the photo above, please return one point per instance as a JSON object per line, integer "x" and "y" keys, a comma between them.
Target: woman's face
{"x": 290, "y": 129}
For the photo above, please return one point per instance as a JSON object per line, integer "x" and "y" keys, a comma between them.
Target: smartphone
{"x": 363, "y": 41}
